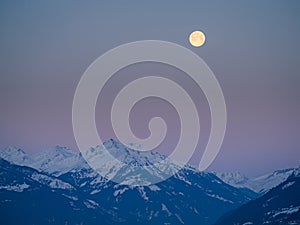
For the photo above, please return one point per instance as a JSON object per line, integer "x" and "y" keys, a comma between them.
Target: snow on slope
{"x": 280, "y": 205}
{"x": 60, "y": 160}
{"x": 16, "y": 187}
{"x": 57, "y": 160}
{"x": 133, "y": 173}
{"x": 266, "y": 182}
{"x": 188, "y": 196}
{"x": 260, "y": 184}
{"x": 16, "y": 156}
{"x": 50, "y": 181}
{"x": 235, "y": 179}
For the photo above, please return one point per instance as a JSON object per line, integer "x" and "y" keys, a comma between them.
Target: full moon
{"x": 197, "y": 38}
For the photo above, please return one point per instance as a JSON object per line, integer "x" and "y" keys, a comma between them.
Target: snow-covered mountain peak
{"x": 57, "y": 160}
{"x": 127, "y": 155}
{"x": 277, "y": 174}
{"x": 111, "y": 143}
{"x": 296, "y": 172}
{"x": 260, "y": 184}
{"x": 83, "y": 193}
{"x": 15, "y": 155}
{"x": 121, "y": 164}
{"x": 233, "y": 178}
{"x": 11, "y": 149}
{"x": 56, "y": 152}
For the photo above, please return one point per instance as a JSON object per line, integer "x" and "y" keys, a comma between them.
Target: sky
{"x": 251, "y": 46}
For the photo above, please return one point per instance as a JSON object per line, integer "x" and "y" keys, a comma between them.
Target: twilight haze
{"x": 252, "y": 48}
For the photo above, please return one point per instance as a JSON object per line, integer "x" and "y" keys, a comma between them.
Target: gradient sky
{"x": 252, "y": 47}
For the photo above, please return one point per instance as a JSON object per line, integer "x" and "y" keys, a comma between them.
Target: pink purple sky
{"x": 252, "y": 47}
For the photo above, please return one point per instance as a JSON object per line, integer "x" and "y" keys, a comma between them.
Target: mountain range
{"x": 260, "y": 184}
{"x": 57, "y": 186}
{"x": 280, "y": 206}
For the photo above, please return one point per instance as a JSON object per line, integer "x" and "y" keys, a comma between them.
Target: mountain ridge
{"x": 280, "y": 206}
{"x": 261, "y": 184}
{"x": 189, "y": 197}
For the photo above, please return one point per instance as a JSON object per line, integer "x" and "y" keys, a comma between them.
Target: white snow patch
{"x": 83, "y": 184}
{"x": 74, "y": 198}
{"x": 180, "y": 177}
{"x": 95, "y": 192}
{"x": 196, "y": 211}
{"x": 179, "y": 218}
{"x": 17, "y": 187}
{"x": 120, "y": 191}
{"x": 143, "y": 193}
{"x": 165, "y": 208}
{"x": 290, "y": 210}
{"x": 288, "y": 185}
{"x": 51, "y": 182}
{"x": 154, "y": 187}
{"x": 219, "y": 197}
{"x": 91, "y": 204}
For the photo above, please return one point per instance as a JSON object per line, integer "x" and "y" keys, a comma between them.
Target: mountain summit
{"x": 59, "y": 180}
